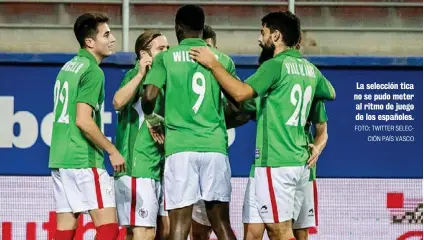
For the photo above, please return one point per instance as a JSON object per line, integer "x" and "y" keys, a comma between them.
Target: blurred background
{"x": 368, "y": 188}
{"x": 342, "y": 27}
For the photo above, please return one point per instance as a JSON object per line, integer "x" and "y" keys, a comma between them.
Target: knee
{"x": 107, "y": 231}
{"x": 301, "y": 234}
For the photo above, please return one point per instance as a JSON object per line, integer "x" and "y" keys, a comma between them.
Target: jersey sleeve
{"x": 318, "y": 114}
{"x": 90, "y": 87}
{"x": 157, "y": 75}
{"x": 265, "y": 77}
{"x": 231, "y": 68}
{"x": 324, "y": 89}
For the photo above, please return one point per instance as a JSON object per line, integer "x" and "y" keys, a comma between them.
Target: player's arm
{"x": 129, "y": 87}
{"x": 155, "y": 80}
{"x": 236, "y": 89}
{"x": 127, "y": 92}
{"x": 88, "y": 93}
{"x": 324, "y": 89}
{"x": 235, "y": 117}
{"x": 318, "y": 117}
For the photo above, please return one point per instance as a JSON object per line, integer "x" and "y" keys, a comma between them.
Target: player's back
{"x": 283, "y": 111}
{"x": 69, "y": 148}
{"x": 194, "y": 113}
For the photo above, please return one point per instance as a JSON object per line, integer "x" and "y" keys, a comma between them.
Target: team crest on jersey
{"x": 143, "y": 212}
{"x": 257, "y": 153}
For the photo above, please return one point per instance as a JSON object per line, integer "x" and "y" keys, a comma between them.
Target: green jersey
{"x": 316, "y": 115}
{"x": 130, "y": 118}
{"x": 79, "y": 81}
{"x": 148, "y": 156}
{"x": 286, "y": 84}
{"x": 194, "y": 109}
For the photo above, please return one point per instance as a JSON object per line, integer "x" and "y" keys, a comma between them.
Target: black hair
{"x": 208, "y": 32}
{"x": 190, "y": 18}
{"x": 287, "y": 24}
{"x": 86, "y": 26}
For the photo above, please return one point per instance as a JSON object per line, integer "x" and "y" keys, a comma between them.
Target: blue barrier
{"x": 26, "y": 100}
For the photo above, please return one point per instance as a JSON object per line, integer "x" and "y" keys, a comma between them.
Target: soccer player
{"x": 285, "y": 84}
{"x": 200, "y": 226}
{"x": 76, "y": 153}
{"x": 138, "y": 190}
{"x": 253, "y": 225}
{"x": 308, "y": 215}
{"x": 196, "y": 165}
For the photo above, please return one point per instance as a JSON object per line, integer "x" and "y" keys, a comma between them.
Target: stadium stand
{"x": 332, "y": 27}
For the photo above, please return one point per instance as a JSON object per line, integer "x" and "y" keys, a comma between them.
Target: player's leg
{"x": 123, "y": 195}
{"x": 145, "y": 204}
{"x": 200, "y": 231}
{"x": 162, "y": 230}
{"x": 215, "y": 183}
{"x": 254, "y": 228}
{"x": 66, "y": 220}
{"x": 98, "y": 198}
{"x": 200, "y": 226}
{"x": 306, "y": 218}
{"x": 275, "y": 194}
{"x": 182, "y": 190}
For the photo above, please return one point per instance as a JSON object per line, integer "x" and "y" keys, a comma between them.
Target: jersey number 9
{"x": 199, "y": 89}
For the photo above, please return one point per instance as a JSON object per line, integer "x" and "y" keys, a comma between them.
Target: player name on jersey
{"x": 300, "y": 69}
{"x": 72, "y": 66}
{"x": 184, "y": 56}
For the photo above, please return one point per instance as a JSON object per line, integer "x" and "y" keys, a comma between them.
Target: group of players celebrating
{"x": 172, "y": 172}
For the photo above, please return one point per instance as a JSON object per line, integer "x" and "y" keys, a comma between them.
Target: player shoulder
{"x": 273, "y": 63}
{"x": 222, "y": 57}
{"x": 94, "y": 72}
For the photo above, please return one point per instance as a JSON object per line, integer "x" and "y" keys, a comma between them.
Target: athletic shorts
{"x": 193, "y": 176}
{"x": 139, "y": 201}
{"x": 82, "y": 190}
{"x": 199, "y": 213}
{"x": 280, "y": 192}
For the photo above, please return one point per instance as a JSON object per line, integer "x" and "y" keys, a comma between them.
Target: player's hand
{"x": 157, "y": 133}
{"x": 155, "y": 124}
{"x": 315, "y": 152}
{"x": 145, "y": 63}
{"x": 204, "y": 56}
{"x": 117, "y": 161}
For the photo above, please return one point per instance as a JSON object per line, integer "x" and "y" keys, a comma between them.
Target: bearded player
{"x": 285, "y": 85}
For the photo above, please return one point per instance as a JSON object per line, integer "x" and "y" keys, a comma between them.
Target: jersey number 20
{"x": 61, "y": 94}
{"x": 199, "y": 89}
{"x": 301, "y": 101}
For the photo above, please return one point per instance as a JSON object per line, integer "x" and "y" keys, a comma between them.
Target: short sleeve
{"x": 318, "y": 114}
{"x": 157, "y": 75}
{"x": 90, "y": 87}
{"x": 324, "y": 89}
{"x": 265, "y": 77}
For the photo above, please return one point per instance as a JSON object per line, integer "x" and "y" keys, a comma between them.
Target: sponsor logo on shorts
{"x": 143, "y": 212}
{"x": 311, "y": 212}
{"x": 264, "y": 209}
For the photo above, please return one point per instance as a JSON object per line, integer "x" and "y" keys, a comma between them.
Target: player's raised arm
{"x": 155, "y": 80}
{"x": 234, "y": 87}
{"x": 129, "y": 87}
